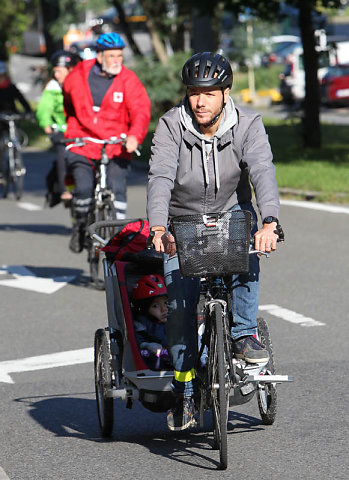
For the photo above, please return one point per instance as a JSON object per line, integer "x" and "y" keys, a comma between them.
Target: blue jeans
{"x": 183, "y": 297}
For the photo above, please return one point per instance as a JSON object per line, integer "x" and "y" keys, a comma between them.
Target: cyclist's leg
{"x": 117, "y": 182}
{"x": 245, "y": 299}
{"x": 60, "y": 159}
{"x": 82, "y": 203}
{"x": 245, "y": 290}
{"x": 183, "y": 297}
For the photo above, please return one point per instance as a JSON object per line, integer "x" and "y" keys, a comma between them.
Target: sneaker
{"x": 182, "y": 415}
{"x": 250, "y": 350}
{"x": 76, "y": 243}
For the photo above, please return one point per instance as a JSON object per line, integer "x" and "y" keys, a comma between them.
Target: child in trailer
{"x": 149, "y": 299}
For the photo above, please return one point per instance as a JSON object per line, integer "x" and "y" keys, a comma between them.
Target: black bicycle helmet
{"x": 63, "y": 58}
{"x": 207, "y": 69}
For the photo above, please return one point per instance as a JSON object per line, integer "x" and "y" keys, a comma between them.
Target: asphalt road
{"x": 48, "y": 420}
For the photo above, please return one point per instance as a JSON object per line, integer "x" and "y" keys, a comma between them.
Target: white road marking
{"x": 28, "y": 206}
{"x": 26, "y": 280}
{"x": 85, "y": 355}
{"x": 316, "y": 206}
{"x": 3, "y": 475}
{"x": 41, "y": 362}
{"x": 291, "y": 316}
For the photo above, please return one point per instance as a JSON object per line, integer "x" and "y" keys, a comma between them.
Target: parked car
{"x": 292, "y": 79}
{"x": 334, "y": 88}
{"x": 278, "y": 48}
{"x": 86, "y": 49}
{"x": 33, "y": 43}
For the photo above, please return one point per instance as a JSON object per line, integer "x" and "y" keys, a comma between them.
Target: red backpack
{"x": 132, "y": 238}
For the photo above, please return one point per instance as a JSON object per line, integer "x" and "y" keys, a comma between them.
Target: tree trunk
{"x": 126, "y": 29}
{"x": 154, "y": 11}
{"x": 50, "y": 12}
{"x": 311, "y": 122}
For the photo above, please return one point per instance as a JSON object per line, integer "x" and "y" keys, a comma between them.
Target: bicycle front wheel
{"x": 267, "y": 395}
{"x": 13, "y": 173}
{"x": 103, "y": 382}
{"x": 219, "y": 386}
{"x": 105, "y": 213}
{"x": 18, "y": 175}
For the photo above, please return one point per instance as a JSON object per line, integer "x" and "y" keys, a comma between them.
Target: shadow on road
{"x": 67, "y": 416}
{"x": 47, "y": 229}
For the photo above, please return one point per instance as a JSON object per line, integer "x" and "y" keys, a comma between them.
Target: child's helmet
{"x": 63, "y": 58}
{"x": 148, "y": 287}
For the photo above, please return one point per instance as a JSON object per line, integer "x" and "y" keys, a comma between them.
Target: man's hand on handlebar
{"x": 163, "y": 242}
{"x": 131, "y": 144}
{"x": 265, "y": 239}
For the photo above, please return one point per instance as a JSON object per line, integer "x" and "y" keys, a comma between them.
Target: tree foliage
{"x": 14, "y": 20}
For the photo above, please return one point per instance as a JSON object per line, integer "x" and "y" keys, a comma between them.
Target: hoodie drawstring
{"x": 205, "y": 156}
{"x": 215, "y": 162}
{"x": 204, "y": 161}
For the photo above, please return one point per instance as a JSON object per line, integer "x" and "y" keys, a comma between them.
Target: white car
{"x": 292, "y": 80}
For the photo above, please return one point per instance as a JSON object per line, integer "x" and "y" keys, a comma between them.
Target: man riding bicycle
{"x": 10, "y": 96}
{"x": 103, "y": 98}
{"x": 205, "y": 153}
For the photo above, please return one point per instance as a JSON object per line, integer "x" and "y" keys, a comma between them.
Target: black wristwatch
{"x": 279, "y": 231}
{"x": 271, "y": 219}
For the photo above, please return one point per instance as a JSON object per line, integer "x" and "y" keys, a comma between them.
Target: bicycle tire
{"x": 218, "y": 386}
{"x": 106, "y": 212}
{"x": 103, "y": 382}
{"x": 6, "y": 180}
{"x": 266, "y": 394}
{"x": 18, "y": 175}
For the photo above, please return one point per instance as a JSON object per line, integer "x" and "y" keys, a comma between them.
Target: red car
{"x": 334, "y": 88}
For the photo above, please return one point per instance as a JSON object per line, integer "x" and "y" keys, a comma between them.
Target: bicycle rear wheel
{"x": 105, "y": 213}
{"x": 6, "y": 178}
{"x": 266, "y": 395}
{"x": 219, "y": 390}
{"x": 13, "y": 173}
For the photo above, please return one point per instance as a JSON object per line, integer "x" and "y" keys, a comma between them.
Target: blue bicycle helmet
{"x": 109, "y": 41}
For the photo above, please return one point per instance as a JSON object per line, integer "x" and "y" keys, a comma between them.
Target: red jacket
{"x": 125, "y": 109}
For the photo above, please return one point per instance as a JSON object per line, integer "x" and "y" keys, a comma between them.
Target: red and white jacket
{"x": 125, "y": 108}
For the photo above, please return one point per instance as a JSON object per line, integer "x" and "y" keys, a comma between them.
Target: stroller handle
{"x": 96, "y": 226}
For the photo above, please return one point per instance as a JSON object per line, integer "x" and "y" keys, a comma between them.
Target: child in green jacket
{"x": 51, "y": 118}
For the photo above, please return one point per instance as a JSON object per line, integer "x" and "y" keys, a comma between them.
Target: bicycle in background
{"x": 103, "y": 209}
{"x": 12, "y": 167}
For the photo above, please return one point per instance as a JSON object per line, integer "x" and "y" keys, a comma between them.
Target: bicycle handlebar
{"x": 7, "y": 117}
{"x": 80, "y": 141}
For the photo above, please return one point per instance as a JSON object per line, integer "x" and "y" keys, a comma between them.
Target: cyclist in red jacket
{"x": 103, "y": 98}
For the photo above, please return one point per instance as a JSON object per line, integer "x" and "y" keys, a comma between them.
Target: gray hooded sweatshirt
{"x": 190, "y": 174}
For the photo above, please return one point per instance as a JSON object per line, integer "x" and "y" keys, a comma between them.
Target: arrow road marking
{"x": 52, "y": 360}
{"x": 291, "y": 316}
{"x": 26, "y": 280}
